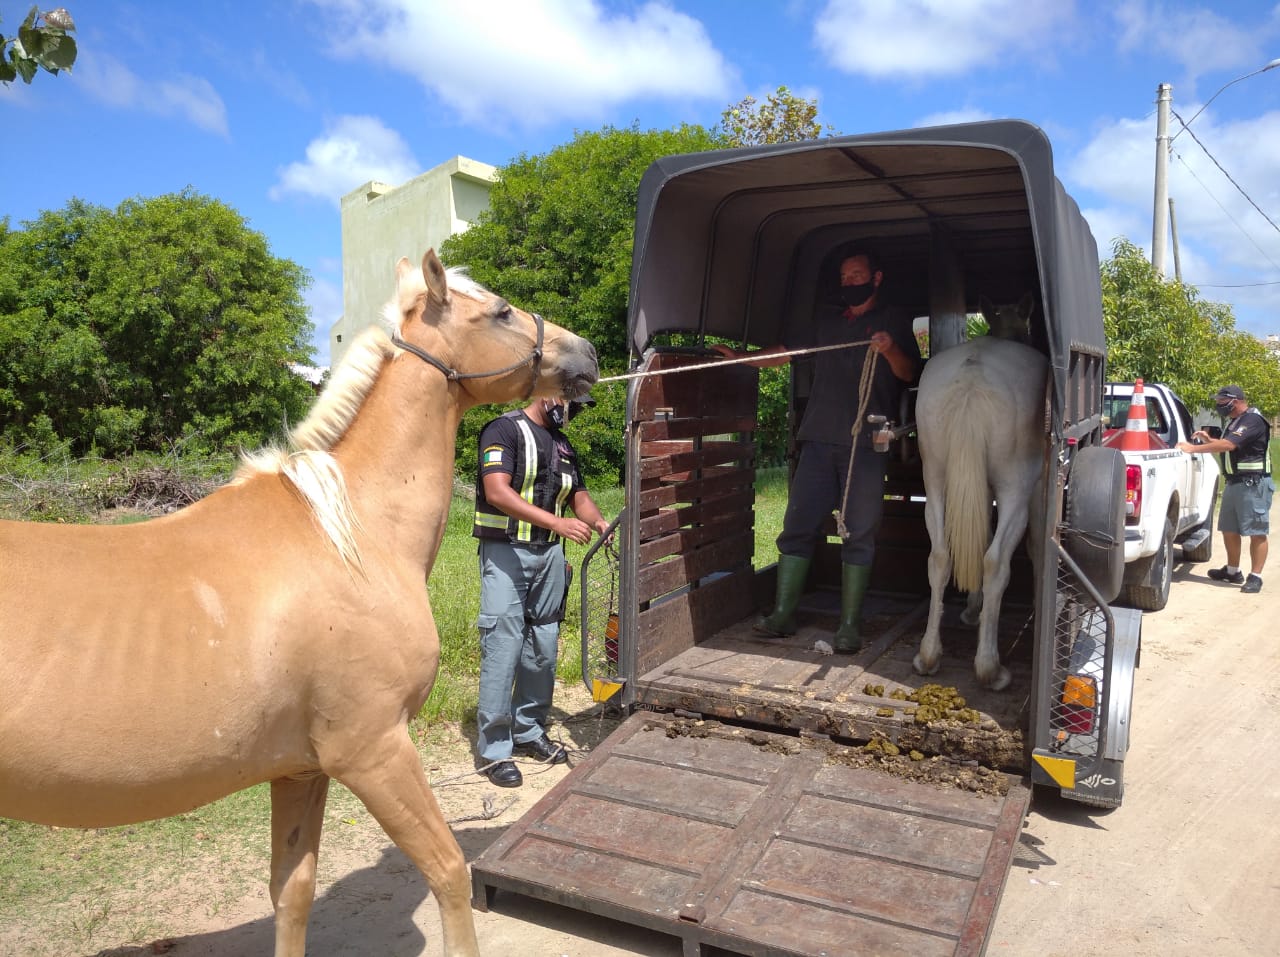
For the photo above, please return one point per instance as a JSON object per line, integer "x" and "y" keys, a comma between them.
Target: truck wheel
{"x": 1095, "y": 517}
{"x": 1155, "y": 574}
{"x": 1204, "y": 551}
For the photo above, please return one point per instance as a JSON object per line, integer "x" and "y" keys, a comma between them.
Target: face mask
{"x": 1224, "y": 408}
{"x": 555, "y": 415}
{"x": 857, "y": 295}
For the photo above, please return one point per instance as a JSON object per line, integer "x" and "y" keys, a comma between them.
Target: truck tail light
{"x": 1079, "y": 704}
{"x": 1132, "y": 494}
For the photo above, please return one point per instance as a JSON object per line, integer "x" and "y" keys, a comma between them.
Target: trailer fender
{"x": 1094, "y": 535}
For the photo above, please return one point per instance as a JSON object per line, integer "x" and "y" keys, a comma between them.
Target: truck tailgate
{"x": 760, "y": 843}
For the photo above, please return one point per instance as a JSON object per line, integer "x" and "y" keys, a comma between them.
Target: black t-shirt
{"x": 837, "y": 373}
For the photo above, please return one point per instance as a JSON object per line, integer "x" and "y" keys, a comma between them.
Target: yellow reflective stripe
{"x": 603, "y": 689}
{"x": 566, "y": 486}
{"x": 486, "y": 520}
{"x": 1062, "y": 770}
{"x": 524, "y": 530}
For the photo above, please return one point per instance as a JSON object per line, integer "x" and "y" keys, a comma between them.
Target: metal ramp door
{"x": 756, "y": 843}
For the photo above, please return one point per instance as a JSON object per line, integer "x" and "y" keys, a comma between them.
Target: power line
{"x": 1233, "y": 285}
{"x": 1208, "y": 192}
{"x": 1238, "y": 187}
{"x": 1243, "y": 231}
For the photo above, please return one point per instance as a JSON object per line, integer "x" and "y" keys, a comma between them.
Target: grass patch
{"x": 771, "y": 506}
{"x": 71, "y": 872}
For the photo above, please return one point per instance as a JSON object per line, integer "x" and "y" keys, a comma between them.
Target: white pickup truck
{"x": 1170, "y": 496}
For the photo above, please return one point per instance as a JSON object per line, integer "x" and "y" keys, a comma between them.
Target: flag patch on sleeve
{"x": 493, "y": 456}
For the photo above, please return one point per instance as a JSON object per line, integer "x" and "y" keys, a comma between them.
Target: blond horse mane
{"x": 306, "y": 460}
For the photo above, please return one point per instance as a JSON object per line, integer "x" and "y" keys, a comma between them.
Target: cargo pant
{"x": 522, "y": 590}
{"x": 815, "y": 493}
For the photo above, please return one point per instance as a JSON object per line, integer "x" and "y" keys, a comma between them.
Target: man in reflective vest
{"x": 1246, "y": 496}
{"x": 528, "y": 475}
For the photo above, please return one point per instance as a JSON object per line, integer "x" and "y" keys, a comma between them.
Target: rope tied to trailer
{"x": 746, "y": 359}
{"x": 864, "y": 396}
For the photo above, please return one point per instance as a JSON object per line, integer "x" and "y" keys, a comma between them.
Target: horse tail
{"x": 968, "y": 513}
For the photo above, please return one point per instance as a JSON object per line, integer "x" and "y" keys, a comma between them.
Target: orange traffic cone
{"x": 1135, "y": 437}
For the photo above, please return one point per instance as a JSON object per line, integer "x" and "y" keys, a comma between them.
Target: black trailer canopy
{"x": 740, "y": 243}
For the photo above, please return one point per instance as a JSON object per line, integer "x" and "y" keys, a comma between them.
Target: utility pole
{"x": 1173, "y": 228}
{"x": 1159, "y": 221}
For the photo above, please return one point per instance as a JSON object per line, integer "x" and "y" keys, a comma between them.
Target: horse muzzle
{"x": 578, "y": 367}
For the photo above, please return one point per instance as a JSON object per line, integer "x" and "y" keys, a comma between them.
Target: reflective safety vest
{"x": 542, "y": 468}
{"x": 1253, "y": 458}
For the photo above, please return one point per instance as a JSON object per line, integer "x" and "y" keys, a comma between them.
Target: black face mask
{"x": 857, "y": 295}
{"x": 555, "y": 416}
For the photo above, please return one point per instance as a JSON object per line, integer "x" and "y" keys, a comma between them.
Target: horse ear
{"x": 1026, "y": 304}
{"x": 434, "y": 276}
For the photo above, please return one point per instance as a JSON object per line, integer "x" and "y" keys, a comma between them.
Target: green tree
{"x": 166, "y": 319}
{"x": 557, "y": 239}
{"x": 557, "y": 235}
{"x": 41, "y": 43}
{"x": 782, "y": 118}
{"x": 1162, "y": 331}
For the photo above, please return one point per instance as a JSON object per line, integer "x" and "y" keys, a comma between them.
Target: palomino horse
{"x": 980, "y": 421}
{"x": 279, "y": 629}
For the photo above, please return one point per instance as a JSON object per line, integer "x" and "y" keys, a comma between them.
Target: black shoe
{"x": 1252, "y": 585}
{"x": 505, "y": 774}
{"x": 544, "y": 749}
{"x": 1233, "y": 578}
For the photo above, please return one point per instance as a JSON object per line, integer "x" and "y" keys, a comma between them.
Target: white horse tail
{"x": 968, "y": 515}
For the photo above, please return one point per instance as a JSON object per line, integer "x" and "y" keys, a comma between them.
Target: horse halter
{"x": 534, "y": 360}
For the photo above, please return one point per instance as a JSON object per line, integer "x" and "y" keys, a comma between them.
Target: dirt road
{"x": 1190, "y": 865}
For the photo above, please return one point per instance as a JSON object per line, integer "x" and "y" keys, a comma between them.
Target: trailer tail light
{"x": 1079, "y": 704}
{"x": 611, "y": 642}
{"x": 1132, "y": 494}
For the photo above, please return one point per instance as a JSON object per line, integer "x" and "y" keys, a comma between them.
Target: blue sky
{"x": 278, "y": 108}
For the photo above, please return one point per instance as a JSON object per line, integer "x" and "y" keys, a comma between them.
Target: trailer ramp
{"x": 751, "y": 842}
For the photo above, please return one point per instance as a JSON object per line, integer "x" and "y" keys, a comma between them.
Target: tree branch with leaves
{"x": 41, "y": 43}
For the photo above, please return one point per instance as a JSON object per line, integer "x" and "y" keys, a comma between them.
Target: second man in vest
{"x": 528, "y": 477}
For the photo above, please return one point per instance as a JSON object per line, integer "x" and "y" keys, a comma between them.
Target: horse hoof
{"x": 925, "y": 668}
{"x": 1000, "y": 681}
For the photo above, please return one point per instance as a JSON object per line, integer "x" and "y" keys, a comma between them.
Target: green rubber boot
{"x": 792, "y": 572}
{"x": 853, "y": 585}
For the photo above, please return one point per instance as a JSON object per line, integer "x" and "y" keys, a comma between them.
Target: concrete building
{"x": 381, "y": 223}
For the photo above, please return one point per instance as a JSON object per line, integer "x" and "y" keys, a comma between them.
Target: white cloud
{"x": 1224, "y": 244}
{"x": 194, "y": 98}
{"x": 535, "y": 63}
{"x": 353, "y": 150}
{"x": 190, "y": 98}
{"x": 1199, "y": 40}
{"x": 931, "y": 38}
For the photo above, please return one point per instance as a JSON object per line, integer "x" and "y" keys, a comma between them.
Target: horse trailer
{"x": 762, "y": 796}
